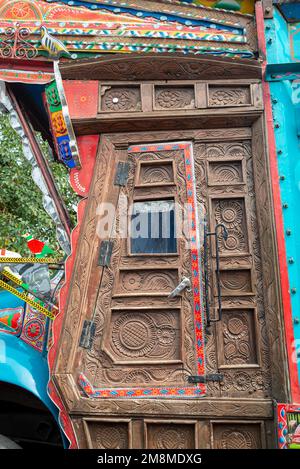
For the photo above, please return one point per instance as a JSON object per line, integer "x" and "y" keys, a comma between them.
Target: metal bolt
{"x": 277, "y": 126}
{"x": 270, "y": 40}
{"x": 293, "y": 291}
{"x": 268, "y": 27}
{"x": 279, "y": 152}
{"x": 296, "y": 320}
{"x": 298, "y": 354}
{"x": 274, "y": 100}
{"x": 282, "y": 178}
{"x": 285, "y": 205}
{"x": 267, "y": 10}
{"x": 291, "y": 260}
{"x": 288, "y": 232}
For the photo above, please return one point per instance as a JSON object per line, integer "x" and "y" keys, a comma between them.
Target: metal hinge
{"x": 121, "y": 174}
{"x": 203, "y": 379}
{"x": 87, "y": 334}
{"x": 105, "y": 253}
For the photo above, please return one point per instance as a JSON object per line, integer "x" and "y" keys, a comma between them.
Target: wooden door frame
{"x": 273, "y": 305}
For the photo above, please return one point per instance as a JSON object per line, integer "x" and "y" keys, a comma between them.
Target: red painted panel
{"x": 82, "y": 98}
{"x": 80, "y": 179}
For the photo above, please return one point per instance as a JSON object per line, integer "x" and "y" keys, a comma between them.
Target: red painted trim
{"x": 289, "y": 330}
{"x": 32, "y": 65}
{"x": 80, "y": 179}
{"x": 57, "y": 328}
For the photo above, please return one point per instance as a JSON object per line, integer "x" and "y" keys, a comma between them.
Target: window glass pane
{"x": 153, "y": 227}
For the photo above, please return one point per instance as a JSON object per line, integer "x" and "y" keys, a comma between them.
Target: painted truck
{"x": 168, "y": 321}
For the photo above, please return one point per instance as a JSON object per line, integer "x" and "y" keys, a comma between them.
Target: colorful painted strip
{"x": 61, "y": 127}
{"x": 25, "y": 76}
{"x": 24, "y": 296}
{"x": 143, "y": 30}
{"x": 181, "y": 17}
{"x": 146, "y": 393}
{"x": 160, "y": 48}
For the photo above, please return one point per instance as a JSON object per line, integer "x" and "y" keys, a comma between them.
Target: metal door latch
{"x": 185, "y": 283}
{"x": 217, "y": 377}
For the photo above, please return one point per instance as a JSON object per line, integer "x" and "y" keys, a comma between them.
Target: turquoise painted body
{"x": 285, "y": 95}
{"x": 21, "y": 364}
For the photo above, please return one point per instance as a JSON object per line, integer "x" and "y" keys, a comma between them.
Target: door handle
{"x": 185, "y": 283}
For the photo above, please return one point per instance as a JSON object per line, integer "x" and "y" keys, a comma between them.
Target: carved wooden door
{"x": 145, "y": 343}
{"x": 126, "y": 341}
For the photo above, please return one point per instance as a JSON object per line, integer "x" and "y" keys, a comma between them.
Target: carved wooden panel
{"x": 156, "y": 172}
{"x": 237, "y": 435}
{"x": 139, "y": 336}
{"x": 174, "y": 97}
{"x": 107, "y": 434}
{"x": 162, "y": 435}
{"x": 231, "y": 213}
{"x": 220, "y": 96}
{"x": 236, "y": 282}
{"x": 120, "y": 98}
{"x": 237, "y": 339}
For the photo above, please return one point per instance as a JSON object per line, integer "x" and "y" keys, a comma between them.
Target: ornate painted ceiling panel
{"x": 51, "y": 29}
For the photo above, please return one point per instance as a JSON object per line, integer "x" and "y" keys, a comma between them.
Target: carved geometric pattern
{"x": 147, "y": 335}
{"x": 228, "y": 150}
{"x": 237, "y": 436}
{"x": 170, "y": 436}
{"x": 156, "y": 174}
{"x": 108, "y": 435}
{"x": 238, "y": 337}
{"x": 174, "y": 97}
{"x": 235, "y": 282}
{"x": 137, "y": 281}
{"x": 229, "y": 172}
{"x": 219, "y": 97}
{"x": 118, "y": 99}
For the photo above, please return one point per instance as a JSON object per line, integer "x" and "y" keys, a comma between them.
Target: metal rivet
{"x": 296, "y": 320}
{"x": 270, "y": 40}
{"x": 298, "y": 354}
{"x": 282, "y": 178}
{"x": 291, "y": 260}
{"x": 115, "y": 100}
{"x": 279, "y": 152}
{"x": 274, "y": 100}
{"x": 277, "y": 126}
{"x": 285, "y": 205}
{"x": 268, "y": 27}
{"x": 288, "y": 232}
{"x": 294, "y": 290}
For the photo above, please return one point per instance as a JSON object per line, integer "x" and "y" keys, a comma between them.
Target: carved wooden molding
{"x": 159, "y": 67}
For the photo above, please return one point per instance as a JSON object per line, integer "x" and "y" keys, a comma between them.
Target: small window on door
{"x": 153, "y": 227}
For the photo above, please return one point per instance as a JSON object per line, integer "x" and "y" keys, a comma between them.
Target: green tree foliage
{"x": 21, "y": 208}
